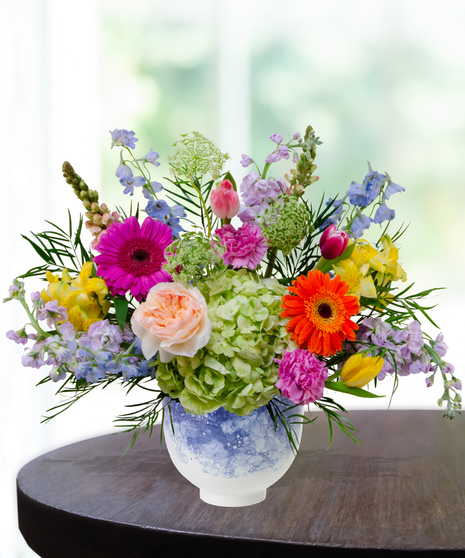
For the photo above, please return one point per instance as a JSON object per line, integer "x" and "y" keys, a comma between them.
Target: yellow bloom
{"x": 388, "y": 256}
{"x": 358, "y": 370}
{"x": 358, "y": 284}
{"x": 84, "y": 298}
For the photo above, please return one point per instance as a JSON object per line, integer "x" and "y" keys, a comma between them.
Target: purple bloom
{"x": 274, "y": 157}
{"x": 277, "y": 138}
{"x": 439, "y": 346}
{"x": 19, "y": 337}
{"x": 244, "y": 247}
{"x": 13, "y": 289}
{"x": 429, "y": 382}
{"x": 123, "y": 138}
{"x": 295, "y": 157}
{"x": 360, "y": 224}
{"x": 415, "y": 338}
{"x": 131, "y": 183}
{"x": 57, "y": 373}
{"x": 257, "y": 192}
{"x": 52, "y": 313}
{"x": 296, "y": 136}
{"x": 152, "y": 157}
{"x": 173, "y": 223}
{"x": 301, "y": 376}
{"x": 284, "y": 151}
{"x": 392, "y": 188}
{"x": 178, "y": 211}
{"x": 246, "y": 160}
{"x": 158, "y": 209}
{"x": 67, "y": 330}
{"x": 448, "y": 368}
{"x": 106, "y": 336}
{"x": 123, "y": 171}
{"x": 363, "y": 194}
{"x": 383, "y": 213}
{"x": 35, "y": 296}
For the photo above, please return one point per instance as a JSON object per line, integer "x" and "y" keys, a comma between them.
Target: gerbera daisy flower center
{"x": 140, "y": 256}
{"x": 325, "y": 311}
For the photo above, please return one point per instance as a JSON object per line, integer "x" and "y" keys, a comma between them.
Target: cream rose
{"x": 173, "y": 321}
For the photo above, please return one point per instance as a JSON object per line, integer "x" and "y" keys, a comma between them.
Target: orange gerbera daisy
{"x": 320, "y": 312}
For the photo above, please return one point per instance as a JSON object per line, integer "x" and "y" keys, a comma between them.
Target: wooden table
{"x": 403, "y": 491}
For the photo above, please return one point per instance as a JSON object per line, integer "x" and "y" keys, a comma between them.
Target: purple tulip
{"x": 333, "y": 242}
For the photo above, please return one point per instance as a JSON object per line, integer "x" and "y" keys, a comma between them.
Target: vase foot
{"x": 232, "y": 500}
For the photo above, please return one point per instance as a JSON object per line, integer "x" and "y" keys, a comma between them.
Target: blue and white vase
{"x": 231, "y": 459}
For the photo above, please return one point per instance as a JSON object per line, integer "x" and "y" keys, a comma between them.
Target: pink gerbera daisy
{"x": 131, "y": 257}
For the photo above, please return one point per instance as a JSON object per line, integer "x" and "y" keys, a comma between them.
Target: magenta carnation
{"x": 131, "y": 257}
{"x": 301, "y": 376}
{"x": 245, "y": 247}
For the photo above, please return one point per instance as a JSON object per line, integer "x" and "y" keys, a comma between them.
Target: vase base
{"x": 232, "y": 500}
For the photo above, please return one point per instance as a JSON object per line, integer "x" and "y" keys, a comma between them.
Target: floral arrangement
{"x": 291, "y": 300}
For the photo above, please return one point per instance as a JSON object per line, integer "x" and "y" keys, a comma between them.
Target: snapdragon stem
{"x": 34, "y": 322}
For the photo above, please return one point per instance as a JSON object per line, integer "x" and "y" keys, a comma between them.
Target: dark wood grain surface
{"x": 402, "y": 493}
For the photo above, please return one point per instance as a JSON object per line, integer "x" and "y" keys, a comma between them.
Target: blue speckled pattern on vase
{"x": 228, "y": 445}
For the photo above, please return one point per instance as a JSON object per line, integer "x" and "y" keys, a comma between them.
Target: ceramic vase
{"x": 232, "y": 459}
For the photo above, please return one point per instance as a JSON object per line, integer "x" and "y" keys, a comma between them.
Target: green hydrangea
{"x": 236, "y": 369}
{"x": 288, "y": 224}
{"x": 193, "y": 257}
{"x": 196, "y": 156}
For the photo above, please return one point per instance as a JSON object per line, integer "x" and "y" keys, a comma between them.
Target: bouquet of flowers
{"x": 177, "y": 300}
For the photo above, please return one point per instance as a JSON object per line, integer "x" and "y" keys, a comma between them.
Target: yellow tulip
{"x": 358, "y": 370}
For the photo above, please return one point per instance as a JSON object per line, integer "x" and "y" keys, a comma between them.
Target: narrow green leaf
{"x": 358, "y": 392}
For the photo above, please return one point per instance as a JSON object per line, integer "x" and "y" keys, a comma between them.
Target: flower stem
{"x": 204, "y": 206}
{"x": 272, "y": 252}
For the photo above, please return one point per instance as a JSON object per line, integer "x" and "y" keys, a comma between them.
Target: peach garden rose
{"x": 172, "y": 321}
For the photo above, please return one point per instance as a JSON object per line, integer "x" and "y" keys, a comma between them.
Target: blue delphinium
{"x": 123, "y": 138}
{"x": 158, "y": 209}
{"x": 363, "y": 194}
{"x": 383, "y": 213}
{"x": 132, "y": 182}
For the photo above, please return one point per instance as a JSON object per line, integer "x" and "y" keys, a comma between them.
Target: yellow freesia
{"x": 358, "y": 370}
{"x": 388, "y": 256}
{"x": 83, "y": 297}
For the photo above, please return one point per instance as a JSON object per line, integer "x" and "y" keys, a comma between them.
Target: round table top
{"x": 402, "y": 491}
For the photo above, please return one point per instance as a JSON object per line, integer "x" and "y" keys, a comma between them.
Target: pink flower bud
{"x": 225, "y": 201}
{"x": 333, "y": 242}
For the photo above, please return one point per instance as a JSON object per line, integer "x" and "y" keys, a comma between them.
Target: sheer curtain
{"x": 383, "y": 81}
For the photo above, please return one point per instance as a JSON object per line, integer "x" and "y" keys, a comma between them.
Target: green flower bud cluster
{"x": 236, "y": 369}
{"x": 288, "y": 224}
{"x": 197, "y": 156}
{"x": 302, "y": 174}
{"x": 193, "y": 257}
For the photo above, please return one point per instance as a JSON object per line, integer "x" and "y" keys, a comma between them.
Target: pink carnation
{"x": 301, "y": 376}
{"x": 245, "y": 247}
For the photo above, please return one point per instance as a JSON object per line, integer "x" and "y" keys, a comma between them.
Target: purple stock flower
{"x": 52, "y": 313}
{"x": 123, "y": 138}
{"x": 35, "y": 296}
{"x": 284, "y": 151}
{"x": 296, "y": 136}
{"x": 246, "y": 160}
{"x": 20, "y": 337}
{"x": 277, "y": 138}
{"x": 257, "y": 194}
{"x": 439, "y": 346}
{"x": 131, "y": 183}
{"x": 274, "y": 157}
{"x": 106, "y": 336}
